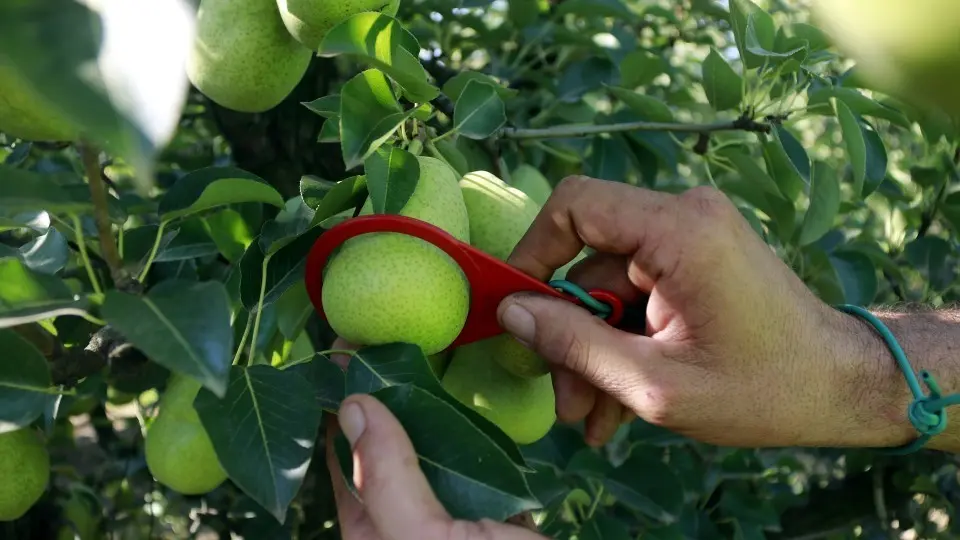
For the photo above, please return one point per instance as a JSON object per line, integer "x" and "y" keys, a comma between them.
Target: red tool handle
{"x": 491, "y": 280}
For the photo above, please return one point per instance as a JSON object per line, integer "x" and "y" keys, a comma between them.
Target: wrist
{"x": 877, "y": 396}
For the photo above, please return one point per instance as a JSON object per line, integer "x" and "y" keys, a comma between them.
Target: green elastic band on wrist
{"x": 926, "y": 413}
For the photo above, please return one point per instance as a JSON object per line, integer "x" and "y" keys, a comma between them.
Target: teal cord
{"x": 926, "y": 413}
{"x": 596, "y": 306}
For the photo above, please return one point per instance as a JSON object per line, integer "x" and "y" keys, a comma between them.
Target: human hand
{"x": 737, "y": 351}
{"x": 395, "y": 500}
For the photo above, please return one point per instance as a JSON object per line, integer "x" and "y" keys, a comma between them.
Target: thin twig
{"x": 101, "y": 212}
{"x": 579, "y": 130}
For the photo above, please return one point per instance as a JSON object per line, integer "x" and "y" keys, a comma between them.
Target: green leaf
{"x": 647, "y": 485}
{"x": 383, "y": 42}
{"x": 291, "y": 222}
{"x": 783, "y": 168}
{"x": 326, "y": 378}
{"x": 479, "y": 111}
{"x": 640, "y": 68}
{"x": 523, "y": 13}
{"x": 451, "y": 154}
{"x": 931, "y": 255}
{"x": 646, "y": 106}
{"x": 819, "y": 102}
{"x": 369, "y": 115}
{"x": 284, "y": 268}
{"x": 392, "y": 175}
{"x": 263, "y": 431}
{"x": 25, "y": 191}
{"x": 603, "y": 527}
{"x": 595, "y": 8}
{"x": 47, "y": 253}
{"x": 472, "y": 477}
{"x": 764, "y": 32}
{"x": 28, "y": 296}
{"x": 181, "y": 325}
{"x": 824, "y": 204}
{"x": 349, "y": 193}
{"x": 102, "y": 72}
{"x": 853, "y": 139}
{"x": 230, "y": 232}
{"x": 857, "y": 276}
{"x": 608, "y": 158}
{"x": 375, "y": 367}
{"x": 327, "y": 106}
{"x": 455, "y": 85}
{"x": 585, "y": 76}
{"x": 724, "y": 88}
{"x": 313, "y": 189}
{"x": 749, "y": 170}
{"x": 876, "y": 159}
{"x": 760, "y": 41}
{"x": 212, "y": 187}
{"x": 24, "y": 382}
{"x": 330, "y": 131}
{"x": 293, "y": 309}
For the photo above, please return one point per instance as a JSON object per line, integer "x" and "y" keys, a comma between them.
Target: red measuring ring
{"x": 491, "y": 280}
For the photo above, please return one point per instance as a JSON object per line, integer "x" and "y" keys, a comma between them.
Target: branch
{"x": 579, "y": 130}
{"x": 98, "y": 193}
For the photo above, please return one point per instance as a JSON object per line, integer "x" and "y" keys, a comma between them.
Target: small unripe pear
{"x": 24, "y": 470}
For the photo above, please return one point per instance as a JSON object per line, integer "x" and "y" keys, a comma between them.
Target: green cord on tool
{"x": 926, "y": 413}
{"x": 596, "y": 306}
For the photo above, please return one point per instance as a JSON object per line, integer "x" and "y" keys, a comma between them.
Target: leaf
{"x": 857, "y": 276}
{"x": 263, "y": 431}
{"x": 24, "y": 382}
{"x": 479, "y": 111}
{"x": 741, "y": 11}
{"x": 348, "y": 193}
{"x": 285, "y": 267}
{"x": 102, "y": 71}
{"x": 819, "y": 103}
{"x": 369, "y": 115}
{"x": 212, "y": 187}
{"x": 603, "y": 527}
{"x": 293, "y": 310}
{"x": 724, "y": 88}
{"x": 313, "y": 189}
{"x": 449, "y": 152}
{"x": 824, "y": 204}
{"x": 392, "y": 175}
{"x": 230, "y": 232}
{"x": 327, "y": 106}
{"x": 646, "y": 106}
{"x": 330, "y": 131}
{"x": 760, "y": 41}
{"x": 374, "y": 367}
{"x": 455, "y": 85}
{"x": 783, "y": 169}
{"x": 930, "y": 256}
{"x": 608, "y": 158}
{"x": 28, "y": 296}
{"x": 876, "y": 159}
{"x": 47, "y": 253}
{"x": 640, "y": 68}
{"x": 750, "y": 170}
{"x": 291, "y": 222}
{"x": 584, "y": 76}
{"x": 326, "y": 378}
{"x": 25, "y": 191}
{"x": 471, "y": 476}
{"x": 648, "y": 486}
{"x": 853, "y": 139}
{"x": 383, "y": 42}
{"x": 181, "y": 325}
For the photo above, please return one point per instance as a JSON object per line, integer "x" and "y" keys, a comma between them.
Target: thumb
{"x": 567, "y": 335}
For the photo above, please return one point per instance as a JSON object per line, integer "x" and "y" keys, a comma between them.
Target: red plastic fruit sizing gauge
{"x": 491, "y": 280}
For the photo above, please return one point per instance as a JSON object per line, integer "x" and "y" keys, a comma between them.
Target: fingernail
{"x": 352, "y": 422}
{"x": 519, "y": 322}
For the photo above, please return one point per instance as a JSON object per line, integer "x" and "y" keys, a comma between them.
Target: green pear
{"x": 26, "y": 115}
{"x": 178, "y": 450}
{"x": 524, "y": 408}
{"x": 499, "y": 214}
{"x": 25, "y": 470}
{"x": 908, "y": 49}
{"x": 391, "y": 287}
{"x": 310, "y": 20}
{"x": 529, "y": 180}
{"x": 243, "y": 58}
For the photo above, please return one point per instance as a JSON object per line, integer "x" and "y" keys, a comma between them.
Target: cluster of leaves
{"x": 853, "y": 189}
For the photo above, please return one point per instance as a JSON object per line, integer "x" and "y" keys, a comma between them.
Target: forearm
{"x": 880, "y": 394}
